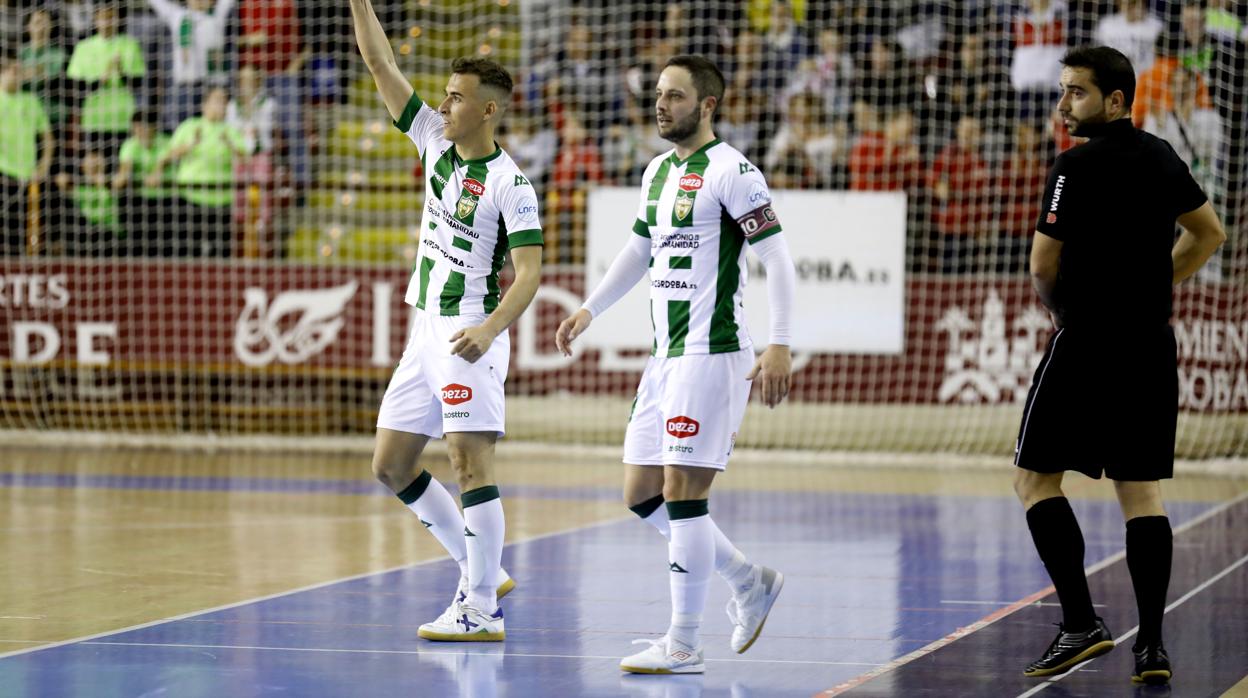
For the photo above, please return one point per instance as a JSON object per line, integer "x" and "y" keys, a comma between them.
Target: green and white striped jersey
{"x": 475, "y": 210}
{"x": 698, "y": 214}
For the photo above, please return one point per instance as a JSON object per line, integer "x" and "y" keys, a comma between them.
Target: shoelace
{"x": 451, "y": 614}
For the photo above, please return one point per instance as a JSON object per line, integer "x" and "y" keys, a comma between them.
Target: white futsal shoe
{"x": 749, "y": 609}
{"x": 463, "y": 623}
{"x": 664, "y": 656}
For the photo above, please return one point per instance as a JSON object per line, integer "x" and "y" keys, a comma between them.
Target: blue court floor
{"x": 886, "y": 595}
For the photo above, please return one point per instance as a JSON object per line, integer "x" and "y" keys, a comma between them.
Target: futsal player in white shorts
{"x": 478, "y": 207}
{"x": 701, "y": 203}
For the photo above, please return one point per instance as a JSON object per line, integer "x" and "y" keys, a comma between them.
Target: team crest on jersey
{"x": 468, "y": 198}
{"x": 684, "y": 204}
{"x": 467, "y": 204}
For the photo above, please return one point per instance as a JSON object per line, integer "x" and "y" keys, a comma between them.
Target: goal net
{"x": 209, "y": 221}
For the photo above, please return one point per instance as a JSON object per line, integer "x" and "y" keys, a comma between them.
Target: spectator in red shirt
{"x": 885, "y": 159}
{"x": 271, "y": 41}
{"x": 959, "y": 182}
{"x": 1021, "y": 185}
{"x": 269, "y": 35}
{"x": 578, "y": 166}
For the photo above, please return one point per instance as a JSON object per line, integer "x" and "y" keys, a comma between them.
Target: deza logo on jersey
{"x": 682, "y": 427}
{"x": 456, "y": 394}
{"x": 689, "y": 185}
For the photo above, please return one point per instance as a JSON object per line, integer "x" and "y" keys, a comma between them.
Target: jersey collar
{"x": 478, "y": 161}
{"x": 1117, "y": 127}
{"x": 678, "y": 162}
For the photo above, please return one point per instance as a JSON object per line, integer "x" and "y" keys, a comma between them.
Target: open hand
{"x": 773, "y": 369}
{"x": 571, "y": 328}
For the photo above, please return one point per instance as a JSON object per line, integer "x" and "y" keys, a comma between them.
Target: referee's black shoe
{"x": 1069, "y": 649}
{"x": 1152, "y": 665}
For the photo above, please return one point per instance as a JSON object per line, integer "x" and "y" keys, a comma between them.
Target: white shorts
{"x": 688, "y": 409}
{"x": 433, "y": 392}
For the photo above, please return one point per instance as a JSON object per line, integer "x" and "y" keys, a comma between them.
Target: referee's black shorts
{"x": 1103, "y": 400}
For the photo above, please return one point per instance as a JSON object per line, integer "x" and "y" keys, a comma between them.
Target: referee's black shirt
{"x": 1113, "y": 202}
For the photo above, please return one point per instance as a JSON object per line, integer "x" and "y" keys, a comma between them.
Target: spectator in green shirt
{"x": 145, "y": 210}
{"x": 43, "y": 65}
{"x": 105, "y": 64}
{"x": 97, "y": 232}
{"x": 205, "y": 149}
{"x": 24, "y": 127}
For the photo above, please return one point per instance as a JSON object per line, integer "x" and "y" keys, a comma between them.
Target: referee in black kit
{"x": 1105, "y": 395}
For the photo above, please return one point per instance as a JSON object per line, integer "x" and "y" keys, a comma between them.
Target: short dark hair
{"x": 707, "y": 79}
{"x": 147, "y": 117}
{"x": 1110, "y": 70}
{"x": 488, "y": 71}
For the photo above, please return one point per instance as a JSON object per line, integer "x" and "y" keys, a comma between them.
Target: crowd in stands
{"x": 953, "y": 103}
{"x": 138, "y": 127}
{"x": 136, "y": 122}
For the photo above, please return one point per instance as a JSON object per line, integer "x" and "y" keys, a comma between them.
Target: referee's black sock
{"x": 1150, "y": 548}
{"x": 1058, "y": 539}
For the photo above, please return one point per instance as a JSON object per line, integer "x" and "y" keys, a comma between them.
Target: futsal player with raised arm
{"x": 701, "y": 203}
{"x": 1104, "y": 398}
{"x": 478, "y": 207}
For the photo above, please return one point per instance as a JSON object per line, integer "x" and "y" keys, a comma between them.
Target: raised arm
{"x": 1202, "y": 234}
{"x": 164, "y": 9}
{"x": 379, "y": 57}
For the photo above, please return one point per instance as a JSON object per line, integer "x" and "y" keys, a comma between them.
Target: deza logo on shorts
{"x": 456, "y": 394}
{"x": 682, "y": 427}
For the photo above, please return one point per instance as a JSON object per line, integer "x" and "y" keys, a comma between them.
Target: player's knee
{"x": 680, "y": 489}
{"x": 1031, "y": 487}
{"x": 391, "y": 473}
{"x": 464, "y": 465}
{"x": 1139, "y": 499}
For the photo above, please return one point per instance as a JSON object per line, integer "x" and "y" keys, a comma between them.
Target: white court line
{"x": 1131, "y": 633}
{"x": 1003, "y": 612}
{"x": 969, "y": 602}
{"x": 310, "y": 587}
{"x": 508, "y": 654}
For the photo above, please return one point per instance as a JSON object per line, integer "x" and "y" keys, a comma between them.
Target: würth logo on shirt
{"x": 691, "y": 182}
{"x": 1057, "y": 193}
{"x": 474, "y": 186}
{"x": 456, "y": 394}
{"x": 682, "y": 427}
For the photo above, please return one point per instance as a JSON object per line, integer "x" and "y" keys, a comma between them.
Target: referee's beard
{"x": 1080, "y": 127}
{"x": 684, "y": 129}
